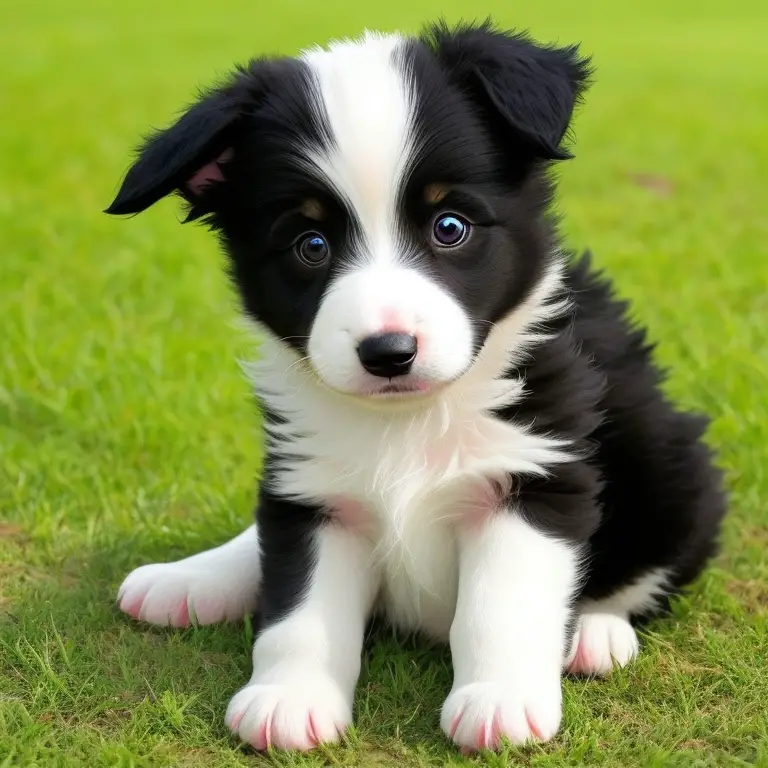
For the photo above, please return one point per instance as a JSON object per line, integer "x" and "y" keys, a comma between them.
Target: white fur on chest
{"x": 405, "y": 478}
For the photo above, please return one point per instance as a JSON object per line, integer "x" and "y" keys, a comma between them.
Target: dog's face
{"x": 382, "y": 201}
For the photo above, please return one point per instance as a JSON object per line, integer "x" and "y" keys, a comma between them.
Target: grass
{"x": 127, "y": 434}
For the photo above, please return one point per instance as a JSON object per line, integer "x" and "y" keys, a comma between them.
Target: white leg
{"x": 604, "y": 637}
{"x": 306, "y": 665}
{"x": 217, "y": 585}
{"x": 508, "y": 636}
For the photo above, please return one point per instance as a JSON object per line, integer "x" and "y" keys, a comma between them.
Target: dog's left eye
{"x": 450, "y": 230}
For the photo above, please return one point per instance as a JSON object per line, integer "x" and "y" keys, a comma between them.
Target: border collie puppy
{"x": 464, "y": 432}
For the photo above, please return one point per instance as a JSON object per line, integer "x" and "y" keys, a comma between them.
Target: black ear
{"x": 532, "y": 88}
{"x": 187, "y": 156}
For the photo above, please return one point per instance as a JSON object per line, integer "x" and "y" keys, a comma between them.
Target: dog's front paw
{"x": 478, "y": 715}
{"x": 300, "y": 714}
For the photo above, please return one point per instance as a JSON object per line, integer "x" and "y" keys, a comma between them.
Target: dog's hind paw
{"x": 218, "y": 585}
{"x": 602, "y": 641}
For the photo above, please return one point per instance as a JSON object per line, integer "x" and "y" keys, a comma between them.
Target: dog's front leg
{"x": 318, "y": 590}
{"x": 516, "y": 587}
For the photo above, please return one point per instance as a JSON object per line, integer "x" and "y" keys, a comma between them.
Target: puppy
{"x": 463, "y": 431}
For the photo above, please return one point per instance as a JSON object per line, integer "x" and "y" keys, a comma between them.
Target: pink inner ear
{"x": 209, "y": 174}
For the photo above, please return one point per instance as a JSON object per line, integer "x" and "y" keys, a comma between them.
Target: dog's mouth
{"x": 396, "y": 389}
{"x": 411, "y": 388}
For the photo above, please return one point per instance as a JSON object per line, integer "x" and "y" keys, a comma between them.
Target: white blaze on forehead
{"x": 367, "y": 104}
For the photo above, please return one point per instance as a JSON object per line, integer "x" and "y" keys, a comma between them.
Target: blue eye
{"x": 313, "y": 249}
{"x": 450, "y": 230}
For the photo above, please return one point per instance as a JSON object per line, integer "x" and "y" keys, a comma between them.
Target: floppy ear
{"x": 533, "y": 89}
{"x": 187, "y": 157}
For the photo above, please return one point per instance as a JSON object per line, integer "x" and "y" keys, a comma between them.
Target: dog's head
{"x": 382, "y": 201}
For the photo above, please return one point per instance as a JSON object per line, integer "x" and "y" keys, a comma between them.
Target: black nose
{"x": 387, "y": 354}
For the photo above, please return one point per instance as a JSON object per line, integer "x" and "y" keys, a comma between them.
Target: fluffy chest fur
{"x": 405, "y": 478}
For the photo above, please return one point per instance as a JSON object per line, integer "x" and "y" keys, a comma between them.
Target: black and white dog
{"x": 463, "y": 430}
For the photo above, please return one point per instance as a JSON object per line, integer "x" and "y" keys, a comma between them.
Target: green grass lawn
{"x": 127, "y": 434}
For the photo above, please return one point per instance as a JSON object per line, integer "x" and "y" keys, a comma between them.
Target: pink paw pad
{"x": 534, "y": 728}
{"x": 312, "y": 731}
{"x": 263, "y": 741}
{"x": 455, "y": 724}
{"x": 181, "y": 617}
{"x": 133, "y": 609}
{"x": 236, "y": 720}
{"x": 495, "y": 732}
{"x": 582, "y": 662}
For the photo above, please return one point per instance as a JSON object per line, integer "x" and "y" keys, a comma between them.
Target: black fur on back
{"x": 660, "y": 498}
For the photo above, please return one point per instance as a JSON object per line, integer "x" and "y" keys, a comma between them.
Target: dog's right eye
{"x": 313, "y": 249}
